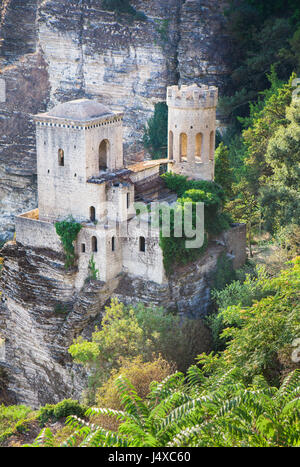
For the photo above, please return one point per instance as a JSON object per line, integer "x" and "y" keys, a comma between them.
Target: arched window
{"x": 113, "y": 244}
{"x": 94, "y": 244}
{"x": 171, "y": 142}
{"x": 92, "y": 214}
{"x": 103, "y": 154}
{"x": 142, "y": 244}
{"x": 199, "y": 143}
{"x": 61, "y": 157}
{"x": 211, "y": 145}
{"x": 183, "y": 146}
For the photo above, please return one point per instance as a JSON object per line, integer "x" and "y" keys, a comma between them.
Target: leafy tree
{"x": 140, "y": 374}
{"x": 156, "y": 132}
{"x": 244, "y": 208}
{"x": 68, "y": 230}
{"x": 280, "y": 196}
{"x": 223, "y": 170}
{"x": 146, "y": 332}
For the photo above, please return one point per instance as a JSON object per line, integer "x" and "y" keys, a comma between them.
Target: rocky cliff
{"x": 41, "y": 312}
{"x": 55, "y": 50}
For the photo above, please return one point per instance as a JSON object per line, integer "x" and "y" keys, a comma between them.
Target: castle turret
{"x": 76, "y": 140}
{"x": 192, "y": 130}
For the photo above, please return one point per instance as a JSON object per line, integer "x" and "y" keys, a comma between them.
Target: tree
{"x": 280, "y": 199}
{"x": 156, "y": 132}
{"x": 223, "y": 171}
{"x": 244, "y": 208}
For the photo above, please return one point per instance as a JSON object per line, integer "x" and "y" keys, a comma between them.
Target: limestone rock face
{"x": 41, "y": 312}
{"x": 40, "y": 315}
{"x": 55, "y": 50}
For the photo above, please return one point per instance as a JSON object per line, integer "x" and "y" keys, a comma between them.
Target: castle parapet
{"x": 192, "y": 97}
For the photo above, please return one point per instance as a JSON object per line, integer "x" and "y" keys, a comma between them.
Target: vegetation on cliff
{"x": 212, "y": 195}
{"x": 68, "y": 230}
{"x": 246, "y": 395}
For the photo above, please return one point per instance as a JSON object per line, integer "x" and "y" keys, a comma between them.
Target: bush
{"x": 68, "y": 230}
{"x": 62, "y": 409}
{"x": 215, "y": 220}
{"x": 146, "y": 332}
{"x": 123, "y": 6}
{"x": 140, "y": 374}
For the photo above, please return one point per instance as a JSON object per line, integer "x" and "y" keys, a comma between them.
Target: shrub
{"x": 215, "y": 220}
{"x": 140, "y": 374}
{"x": 62, "y": 409}
{"x": 68, "y": 230}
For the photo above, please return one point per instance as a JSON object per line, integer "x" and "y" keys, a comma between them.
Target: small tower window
{"x": 61, "y": 157}
{"x": 113, "y": 244}
{"x": 183, "y": 146}
{"x": 128, "y": 200}
{"x": 94, "y": 245}
{"x": 142, "y": 244}
{"x": 211, "y": 145}
{"x": 92, "y": 214}
{"x": 83, "y": 248}
{"x": 103, "y": 154}
{"x": 199, "y": 143}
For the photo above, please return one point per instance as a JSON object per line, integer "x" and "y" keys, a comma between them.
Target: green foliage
{"x": 54, "y": 412}
{"x": 123, "y": 6}
{"x": 257, "y": 333}
{"x": 93, "y": 271}
{"x": 127, "y": 333}
{"x": 175, "y": 415}
{"x": 14, "y": 419}
{"x": 68, "y": 230}
{"x": 215, "y": 220}
{"x": 260, "y": 38}
{"x": 156, "y": 131}
{"x": 224, "y": 273}
{"x": 223, "y": 171}
{"x": 280, "y": 199}
{"x": 236, "y": 293}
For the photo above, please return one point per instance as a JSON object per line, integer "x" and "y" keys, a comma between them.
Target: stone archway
{"x": 103, "y": 154}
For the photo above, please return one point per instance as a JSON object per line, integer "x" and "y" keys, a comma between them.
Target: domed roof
{"x": 79, "y": 110}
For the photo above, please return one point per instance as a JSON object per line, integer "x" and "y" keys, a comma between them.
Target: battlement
{"x": 192, "y": 96}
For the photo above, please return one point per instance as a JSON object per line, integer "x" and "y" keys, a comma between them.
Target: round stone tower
{"x": 192, "y": 130}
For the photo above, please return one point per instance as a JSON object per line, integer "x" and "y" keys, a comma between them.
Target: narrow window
{"x": 183, "y": 146}
{"x": 142, "y": 244}
{"x": 113, "y": 245}
{"x": 199, "y": 142}
{"x": 128, "y": 200}
{"x": 92, "y": 214}
{"x": 211, "y": 145}
{"x": 94, "y": 244}
{"x": 103, "y": 154}
{"x": 61, "y": 157}
{"x": 83, "y": 248}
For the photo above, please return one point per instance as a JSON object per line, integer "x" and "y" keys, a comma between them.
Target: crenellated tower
{"x": 192, "y": 130}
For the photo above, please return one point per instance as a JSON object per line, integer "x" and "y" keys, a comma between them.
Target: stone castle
{"x": 81, "y": 173}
